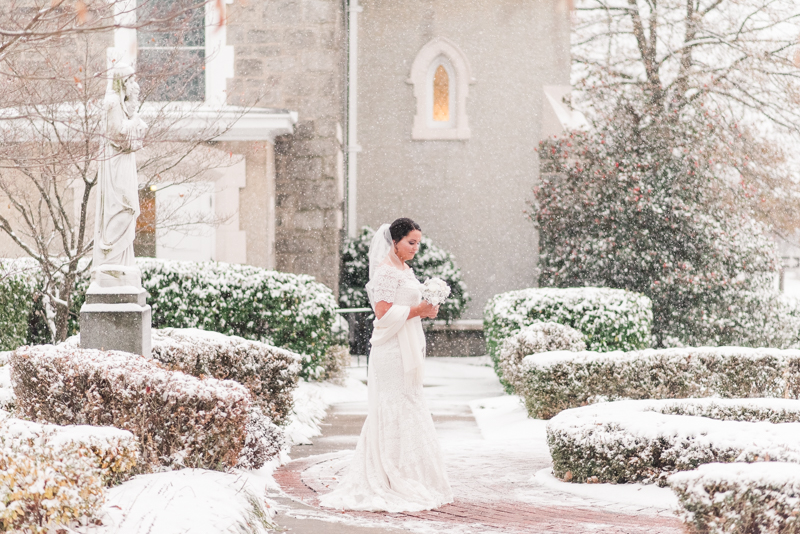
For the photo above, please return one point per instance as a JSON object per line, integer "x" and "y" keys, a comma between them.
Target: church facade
{"x": 453, "y": 99}
{"x": 368, "y": 110}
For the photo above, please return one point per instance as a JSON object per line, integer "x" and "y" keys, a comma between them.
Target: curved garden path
{"x": 498, "y": 471}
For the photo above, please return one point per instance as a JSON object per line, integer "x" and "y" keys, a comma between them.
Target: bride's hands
{"x": 426, "y": 310}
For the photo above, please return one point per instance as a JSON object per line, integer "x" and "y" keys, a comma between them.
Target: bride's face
{"x": 407, "y": 247}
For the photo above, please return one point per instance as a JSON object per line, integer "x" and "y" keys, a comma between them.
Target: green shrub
{"x": 282, "y": 309}
{"x": 642, "y": 204}
{"x": 16, "y": 303}
{"x": 647, "y": 440}
{"x": 609, "y": 319}
{"x": 740, "y": 498}
{"x": 430, "y": 261}
{"x": 534, "y": 339}
{"x": 558, "y": 381}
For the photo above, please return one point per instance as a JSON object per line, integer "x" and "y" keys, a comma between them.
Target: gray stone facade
{"x": 468, "y": 195}
{"x": 293, "y": 53}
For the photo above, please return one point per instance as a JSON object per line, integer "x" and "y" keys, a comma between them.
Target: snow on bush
{"x": 191, "y": 501}
{"x": 740, "y": 498}
{"x": 113, "y": 451}
{"x": 42, "y": 486}
{"x": 609, "y": 319}
{"x": 536, "y": 338}
{"x": 287, "y": 310}
{"x": 52, "y": 475}
{"x": 643, "y": 204}
{"x": 270, "y": 373}
{"x": 16, "y": 303}
{"x": 560, "y": 380}
{"x": 334, "y": 364}
{"x": 430, "y": 262}
{"x": 646, "y": 440}
{"x": 264, "y": 440}
{"x": 180, "y": 420}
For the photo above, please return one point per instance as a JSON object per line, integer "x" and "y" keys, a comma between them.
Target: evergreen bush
{"x": 647, "y": 440}
{"x": 740, "y": 498}
{"x": 609, "y": 319}
{"x": 430, "y": 261}
{"x": 556, "y": 381}
{"x": 645, "y": 205}
{"x": 534, "y": 339}
{"x": 16, "y": 303}
{"x": 282, "y": 309}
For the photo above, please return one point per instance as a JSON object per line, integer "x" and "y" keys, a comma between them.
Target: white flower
{"x": 435, "y": 291}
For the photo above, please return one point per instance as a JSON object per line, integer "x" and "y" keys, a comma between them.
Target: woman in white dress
{"x": 398, "y": 464}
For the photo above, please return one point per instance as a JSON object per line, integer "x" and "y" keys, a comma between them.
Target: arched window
{"x": 441, "y": 77}
{"x": 441, "y": 95}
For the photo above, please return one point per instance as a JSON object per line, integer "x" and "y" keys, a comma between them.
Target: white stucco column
{"x": 353, "y": 147}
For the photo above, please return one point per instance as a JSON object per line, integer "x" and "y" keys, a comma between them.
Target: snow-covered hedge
{"x": 270, "y": 373}
{"x": 179, "y": 419}
{"x": 609, "y": 319}
{"x": 740, "y": 498}
{"x": 430, "y": 261}
{"x": 43, "y": 487}
{"x": 536, "y": 338}
{"x": 646, "y": 440}
{"x": 52, "y": 475}
{"x": 287, "y": 310}
{"x": 114, "y": 452}
{"x": 560, "y": 380}
{"x": 16, "y": 304}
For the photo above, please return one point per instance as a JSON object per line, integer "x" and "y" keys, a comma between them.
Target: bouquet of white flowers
{"x": 435, "y": 291}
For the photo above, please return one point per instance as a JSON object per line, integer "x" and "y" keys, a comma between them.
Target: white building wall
{"x": 468, "y": 194}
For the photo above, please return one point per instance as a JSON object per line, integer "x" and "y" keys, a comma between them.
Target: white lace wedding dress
{"x": 398, "y": 464}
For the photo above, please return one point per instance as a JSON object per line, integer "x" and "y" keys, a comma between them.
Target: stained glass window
{"x": 441, "y": 95}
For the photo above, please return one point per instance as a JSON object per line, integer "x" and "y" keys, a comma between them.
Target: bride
{"x": 398, "y": 465}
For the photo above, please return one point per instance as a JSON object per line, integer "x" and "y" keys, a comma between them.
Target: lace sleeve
{"x": 385, "y": 283}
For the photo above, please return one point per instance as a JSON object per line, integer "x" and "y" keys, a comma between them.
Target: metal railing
{"x": 360, "y": 331}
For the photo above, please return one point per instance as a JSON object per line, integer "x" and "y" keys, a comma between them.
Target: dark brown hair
{"x": 402, "y": 227}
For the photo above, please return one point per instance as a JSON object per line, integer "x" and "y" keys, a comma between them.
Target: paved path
{"x": 492, "y": 480}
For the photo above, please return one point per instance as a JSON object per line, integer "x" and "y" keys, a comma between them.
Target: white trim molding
{"x": 441, "y": 51}
{"x": 557, "y": 116}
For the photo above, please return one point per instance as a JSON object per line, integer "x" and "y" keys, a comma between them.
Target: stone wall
{"x": 291, "y": 54}
{"x": 468, "y": 195}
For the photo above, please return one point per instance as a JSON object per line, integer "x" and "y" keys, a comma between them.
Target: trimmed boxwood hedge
{"x": 609, "y": 319}
{"x": 740, "y": 498}
{"x": 283, "y": 309}
{"x": 558, "y": 381}
{"x": 534, "y": 339}
{"x": 647, "y": 440}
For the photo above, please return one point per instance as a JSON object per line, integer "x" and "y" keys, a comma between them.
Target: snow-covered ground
{"x": 490, "y": 446}
{"x": 492, "y": 449}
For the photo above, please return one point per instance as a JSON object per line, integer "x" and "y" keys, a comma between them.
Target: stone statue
{"x": 118, "y": 184}
{"x": 115, "y": 315}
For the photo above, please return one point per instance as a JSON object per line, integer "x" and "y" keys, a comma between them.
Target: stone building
{"x": 453, "y": 98}
{"x": 368, "y": 111}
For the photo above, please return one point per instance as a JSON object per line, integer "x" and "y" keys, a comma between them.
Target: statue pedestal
{"x": 116, "y": 318}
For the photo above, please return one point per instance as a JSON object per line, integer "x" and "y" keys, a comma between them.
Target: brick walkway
{"x": 494, "y": 481}
{"x": 302, "y": 480}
